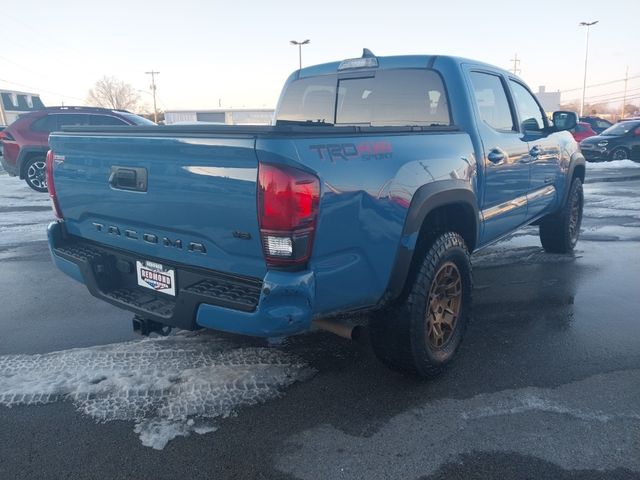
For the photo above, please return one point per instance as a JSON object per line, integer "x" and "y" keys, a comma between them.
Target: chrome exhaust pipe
{"x": 340, "y": 329}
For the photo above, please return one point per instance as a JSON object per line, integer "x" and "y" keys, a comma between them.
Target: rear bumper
{"x": 280, "y": 304}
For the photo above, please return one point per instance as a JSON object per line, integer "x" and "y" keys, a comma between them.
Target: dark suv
{"x": 25, "y": 142}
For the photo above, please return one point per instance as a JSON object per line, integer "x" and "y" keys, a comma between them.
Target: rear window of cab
{"x": 402, "y": 97}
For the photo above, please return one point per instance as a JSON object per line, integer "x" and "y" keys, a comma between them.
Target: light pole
{"x": 586, "y": 56}
{"x": 300, "y": 44}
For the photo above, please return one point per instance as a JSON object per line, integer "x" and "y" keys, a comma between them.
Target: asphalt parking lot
{"x": 546, "y": 385}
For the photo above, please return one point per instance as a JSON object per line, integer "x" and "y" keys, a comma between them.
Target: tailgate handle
{"x": 128, "y": 178}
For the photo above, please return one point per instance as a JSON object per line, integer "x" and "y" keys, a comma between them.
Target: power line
{"x": 30, "y": 87}
{"x": 26, "y": 69}
{"x": 617, "y": 99}
{"x": 599, "y": 84}
{"x": 604, "y": 96}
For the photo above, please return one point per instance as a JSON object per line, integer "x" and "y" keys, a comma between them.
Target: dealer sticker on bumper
{"x": 156, "y": 277}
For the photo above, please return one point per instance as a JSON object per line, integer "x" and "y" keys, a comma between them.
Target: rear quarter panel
{"x": 367, "y": 186}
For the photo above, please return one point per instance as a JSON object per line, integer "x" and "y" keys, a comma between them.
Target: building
{"x": 13, "y": 103}
{"x": 230, "y": 116}
{"x": 550, "y": 101}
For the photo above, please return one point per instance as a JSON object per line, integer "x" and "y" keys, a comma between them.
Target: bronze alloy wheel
{"x": 445, "y": 300}
{"x": 575, "y": 218}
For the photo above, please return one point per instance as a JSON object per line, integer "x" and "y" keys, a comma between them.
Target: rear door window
{"x": 48, "y": 124}
{"x": 491, "y": 100}
{"x": 105, "y": 120}
{"x": 72, "y": 120}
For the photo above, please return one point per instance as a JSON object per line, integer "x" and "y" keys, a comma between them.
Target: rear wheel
{"x": 35, "y": 174}
{"x": 422, "y": 334}
{"x": 559, "y": 232}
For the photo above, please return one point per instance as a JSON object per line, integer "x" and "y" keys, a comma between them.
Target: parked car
{"x": 24, "y": 143}
{"x": 378, "y": 179}
{"x": 583, "y": 130}
{"x": 619, "y": 142}
{"x": 598, "y": 124}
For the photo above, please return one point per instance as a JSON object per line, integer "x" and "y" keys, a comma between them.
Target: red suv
{"x": 25, "y": 142}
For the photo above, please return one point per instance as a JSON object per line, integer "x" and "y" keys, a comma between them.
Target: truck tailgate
{"x": 184, "y": 199}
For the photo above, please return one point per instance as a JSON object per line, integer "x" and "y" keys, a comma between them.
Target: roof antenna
{"x": 366, "y": 53}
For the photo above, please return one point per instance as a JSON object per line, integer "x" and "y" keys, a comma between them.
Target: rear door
{"x": 505, "y": 162}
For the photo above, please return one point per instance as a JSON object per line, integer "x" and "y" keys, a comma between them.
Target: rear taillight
{"x": 288, "y": 201}
{"x": 51, "y": 185}
{"x": 6, "y": 136}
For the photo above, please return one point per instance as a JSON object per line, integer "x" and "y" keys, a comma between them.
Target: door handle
{"x": 128, "y": 178}
{"x": 535, "y": 151}
{"x": 496, "y": 156}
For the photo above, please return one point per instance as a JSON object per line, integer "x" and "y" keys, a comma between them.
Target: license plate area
{"x": 156, "y": 276}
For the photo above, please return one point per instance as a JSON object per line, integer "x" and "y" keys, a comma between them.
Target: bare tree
{"x": 109, "y": 92}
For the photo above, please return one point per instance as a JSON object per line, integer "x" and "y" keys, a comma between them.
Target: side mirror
{"x": 564, "y": 120}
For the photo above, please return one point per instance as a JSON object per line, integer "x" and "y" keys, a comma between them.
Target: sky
{"x": 237, "y": 53}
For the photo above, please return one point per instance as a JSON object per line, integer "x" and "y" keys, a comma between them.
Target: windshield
{"x": 136, "y": 119}
{"x": 402, "y": 97}
{"x": 620, "y": 129}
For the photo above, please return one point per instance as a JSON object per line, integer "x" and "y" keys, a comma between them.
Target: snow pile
{"x": 169, "y": 386}
{"x": 24, "y": 213}
{"x": 612, "y": 165}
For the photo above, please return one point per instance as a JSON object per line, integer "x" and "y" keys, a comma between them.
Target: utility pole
{"x": 624, "y": 98}
{"x": 515, "y": 61}
{"x": 586, "y": 56}
{"x": 299, "y": 44}
{"x": 153, "y": 89}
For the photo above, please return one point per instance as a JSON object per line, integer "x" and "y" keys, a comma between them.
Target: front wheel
{"x": 559, "y": 232}
{"x": 620, "y": 153}
{"x": 35, "y": 175}
{"x": 422, "y": 334}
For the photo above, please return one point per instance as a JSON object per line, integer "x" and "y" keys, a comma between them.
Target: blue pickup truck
{"x": 378, "y": 178}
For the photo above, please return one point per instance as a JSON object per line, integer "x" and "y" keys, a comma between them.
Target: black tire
{"x": 34, "y": 173}
{"x": 406, "y": 336}
{"x": 620, "y": 153}
{"x": 559, "y": 232}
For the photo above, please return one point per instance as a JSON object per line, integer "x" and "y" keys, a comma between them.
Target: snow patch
{"x": 527, "y": 403}
{"x": 168, "y": 386}
{"x": 156, "y": 433}
{"x": 612, "y": 165}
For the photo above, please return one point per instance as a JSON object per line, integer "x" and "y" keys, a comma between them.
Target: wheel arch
{"x": 27, "y": 153}
{"x": 448, "y": 205}
{"x": 577, "y": 169}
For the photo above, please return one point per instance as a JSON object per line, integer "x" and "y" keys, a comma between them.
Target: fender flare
{"x": 425, "y": 200}
{"x": 577, "y": 160}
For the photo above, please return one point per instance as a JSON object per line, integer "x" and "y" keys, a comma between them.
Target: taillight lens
{"x": 4, "y": 135}
{"x": 288, "y": 200}
{"x": 51, "y": 185}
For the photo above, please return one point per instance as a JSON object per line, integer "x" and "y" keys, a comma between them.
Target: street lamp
{"x": 299, "y": 44}
{"x": 586, "y": 56}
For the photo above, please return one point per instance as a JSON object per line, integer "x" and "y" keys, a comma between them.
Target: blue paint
{"x": 202, "y": 188}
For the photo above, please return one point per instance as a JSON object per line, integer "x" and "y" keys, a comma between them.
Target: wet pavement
{"x": 546, "y": 384}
